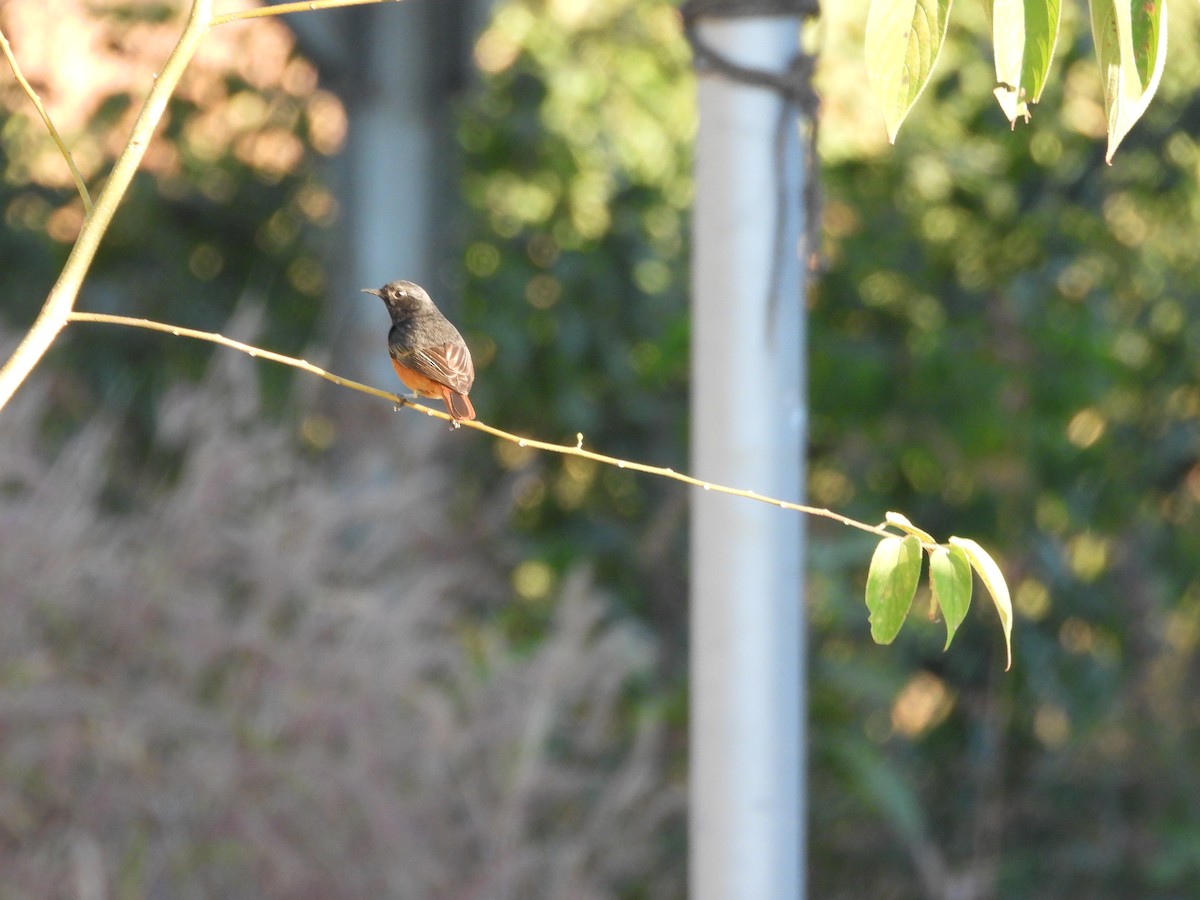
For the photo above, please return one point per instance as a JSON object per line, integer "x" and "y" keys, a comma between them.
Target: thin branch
{"x": 575, "y": 449}
{"x": 250, "y": 350}
{"x": 37, "y": 102}
{"x": 280, "y": 9}
{"x": 61, "y": 300}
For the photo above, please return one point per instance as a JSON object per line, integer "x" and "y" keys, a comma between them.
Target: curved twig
{"x": 575, "y": 449}
{"x": 61, "y": 300}
{"x": 37, "y": 102}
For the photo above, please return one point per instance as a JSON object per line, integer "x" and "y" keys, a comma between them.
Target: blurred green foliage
{"x": 227, "y": 212}
{"x": 1004, "y": 346}
{"x": 578, "y": 179}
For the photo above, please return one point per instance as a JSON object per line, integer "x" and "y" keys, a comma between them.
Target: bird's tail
{"x": 459, "y": 405}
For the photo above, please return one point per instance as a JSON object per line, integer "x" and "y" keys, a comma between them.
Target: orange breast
{"x": 419, "y": 384}
{"x": 457, "y": 404}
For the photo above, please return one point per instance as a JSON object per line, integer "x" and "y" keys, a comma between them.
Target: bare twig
{"x": 249, "y": 350}
{"x": 37, "y": 102}
{"x": 59, "y": 303}
{"x": 575, "y": 449}
{"x": 61, "y": 300}
{"x": 281, "y": 9}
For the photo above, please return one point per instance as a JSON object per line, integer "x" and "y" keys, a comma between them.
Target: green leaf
{"x": 891, "y": 584}
{"x": 993, "y": 579}
{"x": 1024, "y": 35}
{"x": 1131, "y": 46}
{"x": 901, "y": 521}
{"x": 903, "y": 40}
{"x": 950, "y": 581}
{"x": 1149, "y": 29}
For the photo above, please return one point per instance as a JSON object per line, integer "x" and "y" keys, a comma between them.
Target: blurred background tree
{"x": 1003, "y": 345}
{"x": 226, "y": 210}
{"x": 577, "y": 178}
{"x": 235, "y": 572}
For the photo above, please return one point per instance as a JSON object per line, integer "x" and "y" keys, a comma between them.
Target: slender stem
{"x": 249, "y": 349}
{"x": 575, "y": 449}
{"x": 279, "y": 9}
{"x": 37, "y": 102}
{"x": 61, "y": 300}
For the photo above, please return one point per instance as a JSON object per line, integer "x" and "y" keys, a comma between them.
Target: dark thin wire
{"x": 795, "y": 86}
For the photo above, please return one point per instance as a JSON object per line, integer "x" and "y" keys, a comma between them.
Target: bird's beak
{"x": 370, "y": 291}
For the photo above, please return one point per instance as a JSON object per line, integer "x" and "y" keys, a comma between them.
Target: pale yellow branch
{"x": 575, "y": 449}
{"x": 249, "y": 349}
{"x": 37, "y": 102}
{"x": 281, "y": 9}
{"x": 61, "y": 300}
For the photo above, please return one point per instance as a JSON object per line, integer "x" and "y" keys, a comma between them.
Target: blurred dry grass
{"x": 255, "y": 683}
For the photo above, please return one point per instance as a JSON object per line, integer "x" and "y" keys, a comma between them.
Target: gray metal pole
{"x": 747, "y": 825}
{"x": 388, "y": 202}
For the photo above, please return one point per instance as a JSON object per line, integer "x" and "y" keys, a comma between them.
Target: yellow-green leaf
{"x": 903, "y": 40}
{"x": 1024, "y": 34}
{"x": 1131, "y": 46}
{"x": 993, "y": 579}
{"x": 891, "y": 584}
{"x": 1148, "y": 24}
{"x": 950, "y": 581}
{"x": 901, "y": 521}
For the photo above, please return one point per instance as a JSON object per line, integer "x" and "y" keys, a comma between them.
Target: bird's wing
{"x": 449, "y": 364}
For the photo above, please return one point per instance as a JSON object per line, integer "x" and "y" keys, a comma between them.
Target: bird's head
{"x": 401, "y": 296}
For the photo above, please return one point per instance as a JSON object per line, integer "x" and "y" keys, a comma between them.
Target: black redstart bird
{"x": 428, "y": 353}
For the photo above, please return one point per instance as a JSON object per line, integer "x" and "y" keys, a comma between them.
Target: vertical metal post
{"x": 385, "y": 174}
{"x": 747, "y": 831}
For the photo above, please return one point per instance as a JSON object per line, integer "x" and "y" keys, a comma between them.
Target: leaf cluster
{"x": 896, "y": 569}
{"x": 904, "y": 39}
{"x": 1004, "y": 346}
